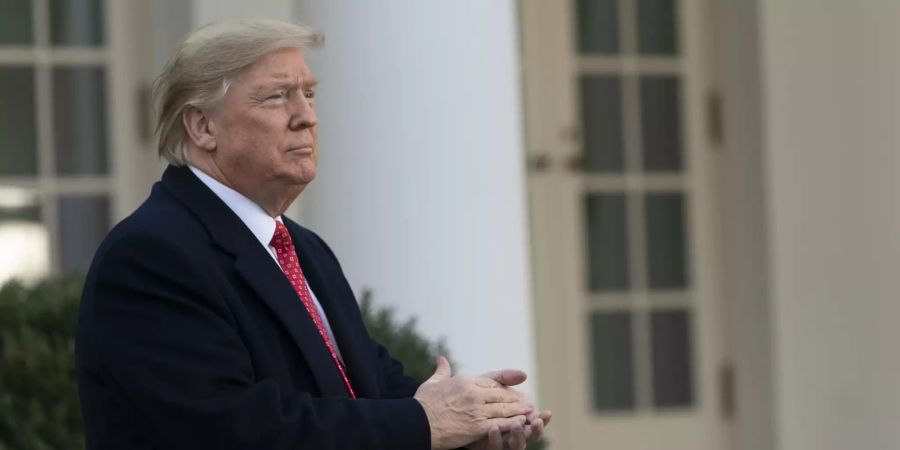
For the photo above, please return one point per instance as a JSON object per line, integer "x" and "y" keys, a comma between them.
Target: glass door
{"x": 623, "y": 222}
{"x": 70, "y": 72}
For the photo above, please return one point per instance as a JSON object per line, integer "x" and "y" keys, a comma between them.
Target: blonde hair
{"x": 205, "y": 64}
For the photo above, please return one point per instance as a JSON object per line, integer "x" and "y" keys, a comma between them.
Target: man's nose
{"x": 303, "y": 115}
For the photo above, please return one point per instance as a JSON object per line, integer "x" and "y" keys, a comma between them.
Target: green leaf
{"x": 38, "y": 398}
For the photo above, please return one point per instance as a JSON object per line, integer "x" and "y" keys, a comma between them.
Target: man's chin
{"x": 303, "y": 178}
{"x": 302, "y": 172}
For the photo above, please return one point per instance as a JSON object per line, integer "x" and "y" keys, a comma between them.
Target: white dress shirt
{"x": 262, "y": 225}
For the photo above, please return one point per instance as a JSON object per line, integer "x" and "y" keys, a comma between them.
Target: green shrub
{"x": 38, "y": 399}
{"x": 405, "y": 344}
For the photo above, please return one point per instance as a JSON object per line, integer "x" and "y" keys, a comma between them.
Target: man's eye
{"x": 277, "y": 96}
{"x": 310, "y": 94}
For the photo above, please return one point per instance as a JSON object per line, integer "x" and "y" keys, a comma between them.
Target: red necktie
{"x": 290, "y": 265}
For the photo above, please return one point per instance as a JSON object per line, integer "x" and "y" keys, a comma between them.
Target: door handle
{"x": 538, "y": 162}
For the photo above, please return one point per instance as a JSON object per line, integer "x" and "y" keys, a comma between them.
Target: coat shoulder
{"x": 159, "y": 217}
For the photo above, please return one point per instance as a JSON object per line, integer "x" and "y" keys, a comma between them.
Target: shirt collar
{"x": 260, "y": 223}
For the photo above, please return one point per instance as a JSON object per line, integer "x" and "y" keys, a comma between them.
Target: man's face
{"x": 265, "y": 127}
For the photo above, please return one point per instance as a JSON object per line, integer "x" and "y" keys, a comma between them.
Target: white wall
{"x": 421, "y": 189}
{"x": 831, "y": 96}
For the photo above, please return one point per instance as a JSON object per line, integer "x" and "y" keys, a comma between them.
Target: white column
{"x": 421, "y": 189}
{"x": 832, "y": 121}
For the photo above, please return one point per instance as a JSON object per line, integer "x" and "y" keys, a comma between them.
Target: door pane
{"x": 661, "y": 123}
{"x": 23, "y": 237}
{"x": 76, "y": 22}
{"x": 15, "y": 22}
{"x": 607, "y": 239}
{"x": 657, "y": 27}
{"x": 613, "y": 361}
{"x": 18, "y": 147}
{"x": 672, "y": 359}
{"x": 83, "y": 222}
{"x": 79, "y": 95}
{"x": 602, "y": 124}
{"x": 666, "y": 241}
{"x": 598, "y": 26}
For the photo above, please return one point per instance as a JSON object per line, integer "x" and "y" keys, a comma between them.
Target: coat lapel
{"x": 350, "y": 335}
{"x": 259, "y": 270}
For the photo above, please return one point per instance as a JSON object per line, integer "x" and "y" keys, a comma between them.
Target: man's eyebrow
{"x": 285, "y": 81}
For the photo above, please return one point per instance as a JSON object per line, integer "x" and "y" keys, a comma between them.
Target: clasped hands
{"x": 480, "y": 413}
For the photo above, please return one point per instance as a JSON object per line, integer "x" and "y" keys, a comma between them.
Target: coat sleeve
{"x": 163, "y": 339}
{"x": 397, "y": 384}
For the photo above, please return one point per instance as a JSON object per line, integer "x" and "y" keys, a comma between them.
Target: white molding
{"x": 630, "y": 65}
{"x": 635, "y": 183}
{"x": 54, "y": 56}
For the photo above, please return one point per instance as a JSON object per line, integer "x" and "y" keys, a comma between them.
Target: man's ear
{"x": 199, "y": 128}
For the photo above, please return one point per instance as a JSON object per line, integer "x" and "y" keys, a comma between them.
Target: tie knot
{"x": 281, "y": 238}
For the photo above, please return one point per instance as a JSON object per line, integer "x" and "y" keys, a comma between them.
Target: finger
{"x": 506, "y": 424}
{"x": 499, "y": 410}
{"x": 532, "y": 419}
{"x": 506, "y": 377}
{"x": 504, "y": 395}
{"x": 535, "y": 430}
{"x": 546, "y": 416}
{"x": 495, "y": 439}
{"x": 516, "y": 439}
{"x": 442, "y": 371}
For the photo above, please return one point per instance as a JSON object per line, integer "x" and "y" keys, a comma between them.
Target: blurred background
{"x": 681, "y": 217}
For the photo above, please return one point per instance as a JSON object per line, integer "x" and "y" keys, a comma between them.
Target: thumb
{"x": 442, "y": 371}
{"x": 507, "y": 377}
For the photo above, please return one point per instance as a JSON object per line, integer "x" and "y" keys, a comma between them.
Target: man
{"x": 208, "y": 320}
